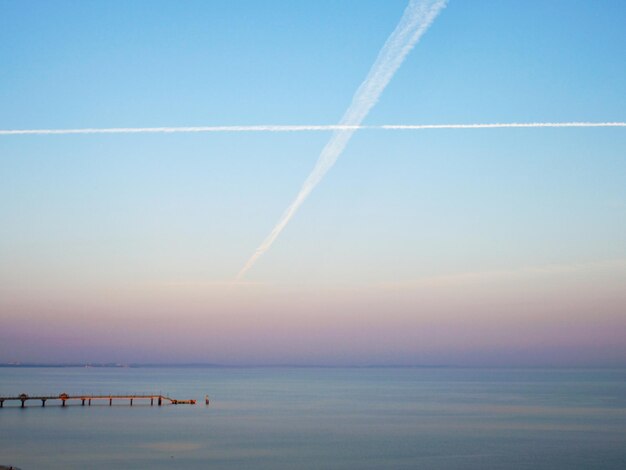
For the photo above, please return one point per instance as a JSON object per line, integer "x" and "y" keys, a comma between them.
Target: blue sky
{"x": 83, "y": 215}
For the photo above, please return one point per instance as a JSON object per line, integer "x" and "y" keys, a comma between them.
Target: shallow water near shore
{"x": 319, "y": 418}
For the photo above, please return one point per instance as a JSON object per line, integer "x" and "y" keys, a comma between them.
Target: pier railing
{"x": 86, "y": 399}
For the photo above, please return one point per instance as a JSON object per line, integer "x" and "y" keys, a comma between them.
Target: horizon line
{"x": 302, "y": 366}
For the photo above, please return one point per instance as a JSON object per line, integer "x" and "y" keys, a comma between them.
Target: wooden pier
{"x": 87, "y": 399}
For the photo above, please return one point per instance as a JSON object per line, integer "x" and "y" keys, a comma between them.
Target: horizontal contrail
{"x": 301, "y": 128}
{"x": 417, "y": 17}
{"x": 168, "y": 130}
{"x": 497, "y": 125}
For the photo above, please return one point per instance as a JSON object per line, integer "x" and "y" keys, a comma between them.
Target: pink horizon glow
{"x": 555, "y": 315}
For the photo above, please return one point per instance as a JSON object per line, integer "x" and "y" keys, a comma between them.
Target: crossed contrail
{"x": 416, "y": 19}
{"x": 300, "y": 128}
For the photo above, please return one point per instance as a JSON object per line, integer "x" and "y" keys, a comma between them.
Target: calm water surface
{"x": 320, "y": 418}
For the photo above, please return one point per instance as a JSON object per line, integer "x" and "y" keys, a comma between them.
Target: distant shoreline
{"x": 227, "y": 366}
{"x": 301, "y": 366}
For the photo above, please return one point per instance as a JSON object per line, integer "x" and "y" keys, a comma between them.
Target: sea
{"x": 318, "y": 418}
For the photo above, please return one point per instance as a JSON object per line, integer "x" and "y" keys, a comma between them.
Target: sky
{"x": 471, "y": 247}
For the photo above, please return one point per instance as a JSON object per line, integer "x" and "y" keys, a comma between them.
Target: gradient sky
{"x": 469, "y": 247}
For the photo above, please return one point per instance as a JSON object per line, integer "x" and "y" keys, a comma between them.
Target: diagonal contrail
{"x": 417, "y": 17}
{"x": 300, "y": 128}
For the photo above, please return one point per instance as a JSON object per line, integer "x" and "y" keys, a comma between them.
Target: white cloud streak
{"x": 498, "y": 125}
{"x": 300, "y": 128}
{"x": 416, "y": 19}
{"x": 171, "y": 130}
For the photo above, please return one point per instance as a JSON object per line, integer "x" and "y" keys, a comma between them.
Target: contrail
{"x": 301, "y": 128}
{"x": 417, "y": 17}
{"x": 167, "y": 130}
{"x": 497, "y": 125}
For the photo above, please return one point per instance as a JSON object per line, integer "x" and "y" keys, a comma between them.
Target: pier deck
{"x": 87, "y": 399}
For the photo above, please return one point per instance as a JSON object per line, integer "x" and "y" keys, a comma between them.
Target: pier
{"x": 87, "y": 399}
